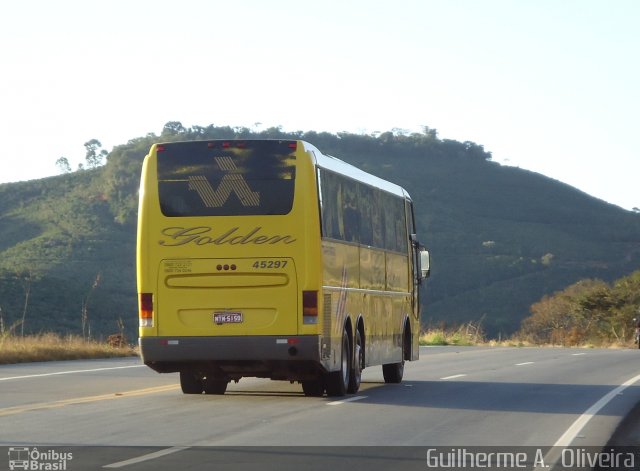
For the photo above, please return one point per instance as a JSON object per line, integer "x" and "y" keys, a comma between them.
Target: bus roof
{"x": 339, "y": 166}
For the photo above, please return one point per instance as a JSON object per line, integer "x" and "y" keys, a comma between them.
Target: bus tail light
{"x": 146, "y": 309}
{"x": 310, "y": 307}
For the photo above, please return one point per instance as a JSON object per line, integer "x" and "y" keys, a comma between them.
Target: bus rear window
{"x": 226, "y": 178}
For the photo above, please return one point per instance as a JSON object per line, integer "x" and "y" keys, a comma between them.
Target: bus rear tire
{"x": 355, "y": 377}
{"x": 212, "y": 385}
{"x": 191, "y": 382}
{"x": 338, "y": 381}
{"x": 313, "y": 388}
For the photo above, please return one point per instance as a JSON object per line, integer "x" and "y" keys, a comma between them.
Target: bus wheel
{"x": 358, "y": 364}
{"x": 313, "y": 388}
{"x": 393, "y": 372}
{"x": 191, "y": 382}
{"x": 214, "y": 385}
{"x": 338, "y": 381}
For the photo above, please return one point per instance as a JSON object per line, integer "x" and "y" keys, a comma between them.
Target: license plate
{"x": 226, "y": 317}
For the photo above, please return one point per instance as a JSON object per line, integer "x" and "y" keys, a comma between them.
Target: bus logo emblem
{"x": 232, "y": 182}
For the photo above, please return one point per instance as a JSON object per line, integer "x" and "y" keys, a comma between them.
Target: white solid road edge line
{"x": 71, "y": 372}
{"x": 147, "y": 457}
{"x": 578, "y": 425}
{"x": 572, "y": 432}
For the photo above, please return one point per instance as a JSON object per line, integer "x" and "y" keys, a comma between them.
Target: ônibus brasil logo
{"x": 23, "y": 457}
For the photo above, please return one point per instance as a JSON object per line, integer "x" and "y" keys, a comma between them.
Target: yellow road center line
{"x": 84, "y": 400}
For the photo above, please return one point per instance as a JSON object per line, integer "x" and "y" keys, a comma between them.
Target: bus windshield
{"x": 226, "y": 179}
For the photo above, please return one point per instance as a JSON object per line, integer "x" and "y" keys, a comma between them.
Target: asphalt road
{"x": 120, "y": 414}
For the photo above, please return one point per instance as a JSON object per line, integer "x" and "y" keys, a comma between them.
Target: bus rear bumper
{"x": 237, "y": 356}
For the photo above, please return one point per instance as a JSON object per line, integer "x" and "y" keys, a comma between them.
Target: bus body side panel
{"x": 341, "y": 271}
{"x": 360, "y": 281}
{"x": 372, "y": 269}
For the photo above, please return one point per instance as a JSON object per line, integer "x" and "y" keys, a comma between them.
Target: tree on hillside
{"x": 549, "y": 321}
{"x": 587, "y": 311}
{"x": 63, "y": 165}
{"x": 431, "y": 133}
{"x": 95, "y": 155}
{"x": 86, "y": 324}
{"x": 173, "y": 127}
{"x": 626, "y": 297}
{"x": 25, "y": 277}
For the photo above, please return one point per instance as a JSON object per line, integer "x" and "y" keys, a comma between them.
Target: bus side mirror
{"x": 425, "y": 264}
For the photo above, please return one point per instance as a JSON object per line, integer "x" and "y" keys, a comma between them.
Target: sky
{"x": 545, "y": 85}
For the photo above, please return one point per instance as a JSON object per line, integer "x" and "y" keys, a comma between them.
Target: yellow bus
{"x": 267, "y": 258}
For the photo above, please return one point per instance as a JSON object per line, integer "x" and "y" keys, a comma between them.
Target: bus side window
{"x": 402, "y": 241}
{"x": 377, "y": 226}
{"x": 388, "y": 222}
{"x": 350, "y": 215}
{"x": 365, "y": 197}
{"x": 331, "y": 206}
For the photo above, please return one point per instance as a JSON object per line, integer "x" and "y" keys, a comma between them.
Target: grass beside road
{"x": 464, "y": 335}
{"x": 468, "y": 335}
{"x": 53, "y": 347}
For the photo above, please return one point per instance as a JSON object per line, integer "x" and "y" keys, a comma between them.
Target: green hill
{"x": 500, "y": 237}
